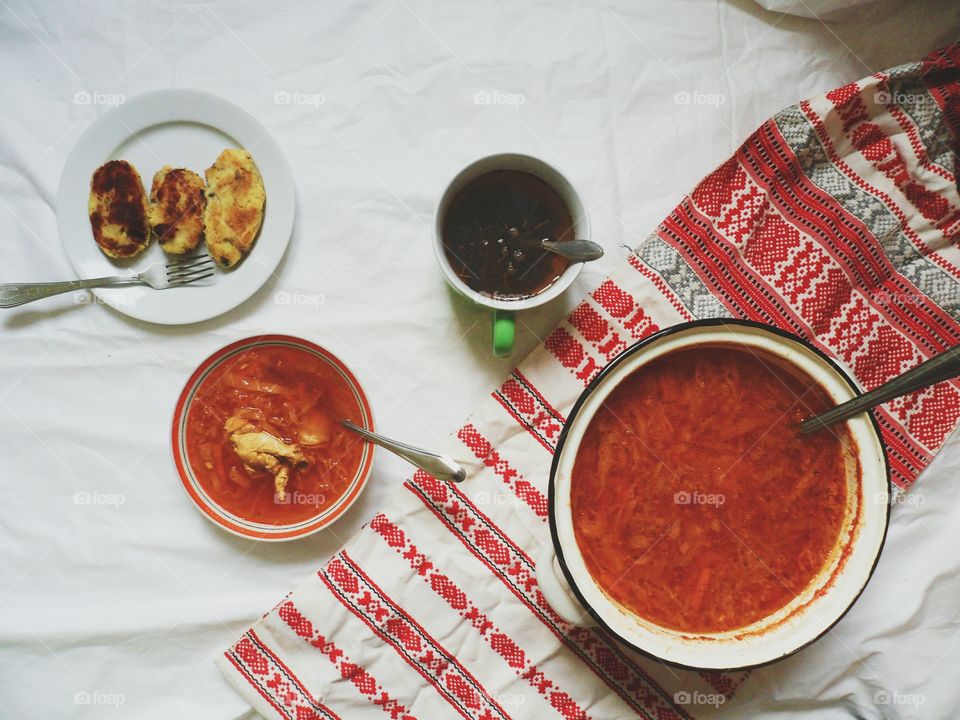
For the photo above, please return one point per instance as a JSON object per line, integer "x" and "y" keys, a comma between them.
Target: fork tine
{"x": 178, "y": 283}
{"x": 173, "y": 272}
{"x": 183, "y": 275}
{"x": 174, "y": 267}
{"x": 181, "y": 263}
{"x": 188, "y": 275}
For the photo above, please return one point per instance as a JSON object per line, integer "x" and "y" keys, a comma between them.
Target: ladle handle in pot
{"x": 939, "y": 368}
{"x": 556, "y": 591}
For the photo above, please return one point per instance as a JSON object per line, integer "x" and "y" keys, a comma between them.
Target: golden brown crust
{"x": 177, "y": 202}
{"x": 118, "y": 210}
{"x": 234, "y": 210}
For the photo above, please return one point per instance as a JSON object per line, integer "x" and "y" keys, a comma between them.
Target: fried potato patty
{"x": 235, "y": 200}
{"x": 177, "y": 201}
{"x": 118, "y": 210}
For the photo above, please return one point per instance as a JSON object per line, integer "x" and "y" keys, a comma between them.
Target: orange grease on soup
{"x": 696, "y": 502}
{"x": 289, "y": 387}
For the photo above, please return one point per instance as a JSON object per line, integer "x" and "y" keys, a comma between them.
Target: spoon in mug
{"x": 576, "y": 250}
{"x": 441, "y": 467}
{"x": 944, "y": 366}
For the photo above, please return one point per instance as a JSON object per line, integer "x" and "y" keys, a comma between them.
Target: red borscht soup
{"x": 697, "y": 504}
{"x": 263, "y": 435}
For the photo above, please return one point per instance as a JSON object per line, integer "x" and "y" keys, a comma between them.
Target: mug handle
{"x": 504, "y": 329}
{"x": 557, "y": 592}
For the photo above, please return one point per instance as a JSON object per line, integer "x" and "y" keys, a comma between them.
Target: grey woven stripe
{"x": 922, "y": 273}
{"x": 667, "y": 262}
{"x": 917, "y": 104}
{"x": 799, "y": 133}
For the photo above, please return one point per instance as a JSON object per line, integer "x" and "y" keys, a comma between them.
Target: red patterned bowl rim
{"x": 207, "y": 505}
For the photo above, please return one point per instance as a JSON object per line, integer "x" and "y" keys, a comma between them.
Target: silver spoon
{"x": 944, "y": 366}
{"x": 441, "y": 467}
{"x": 576, "y": 250}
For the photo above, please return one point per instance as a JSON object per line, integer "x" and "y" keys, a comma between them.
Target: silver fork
{"x": 159, "y": 276}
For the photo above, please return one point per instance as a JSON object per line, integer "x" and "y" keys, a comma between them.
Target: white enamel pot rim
{"x": 580, "y": 600}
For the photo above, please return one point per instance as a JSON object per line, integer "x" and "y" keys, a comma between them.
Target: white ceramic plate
{"x": 180, "y": 128}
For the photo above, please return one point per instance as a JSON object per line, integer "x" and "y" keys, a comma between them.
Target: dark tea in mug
{"x": 492, "y": 232}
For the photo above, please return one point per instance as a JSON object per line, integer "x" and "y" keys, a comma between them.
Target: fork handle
{"x": 13, "y": 294}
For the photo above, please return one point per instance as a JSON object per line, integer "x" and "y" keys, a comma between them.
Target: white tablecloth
{"x": 115, "y": 594}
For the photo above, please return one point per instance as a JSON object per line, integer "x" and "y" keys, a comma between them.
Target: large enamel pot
{"x": 573, "y": 593}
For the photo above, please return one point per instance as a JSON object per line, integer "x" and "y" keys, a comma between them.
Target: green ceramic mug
{"x": 504, "y": 322}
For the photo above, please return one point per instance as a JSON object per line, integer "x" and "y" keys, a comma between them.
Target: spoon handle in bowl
{"x": 440, "y": 466}
{"x": 576, "y": 250}
{"x": 944, "y": 366}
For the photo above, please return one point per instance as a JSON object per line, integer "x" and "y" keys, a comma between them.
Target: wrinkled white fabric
{"x": 115, "y": 594}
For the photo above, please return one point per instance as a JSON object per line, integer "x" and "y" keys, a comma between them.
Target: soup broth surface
{"x": 697, "y": 504}
{"x": 295, "y": 397}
